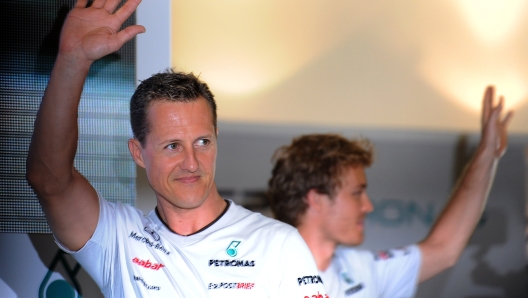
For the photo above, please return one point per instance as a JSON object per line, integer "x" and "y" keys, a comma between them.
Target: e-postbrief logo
{"x": 148, "y": 242}
{"x": 309, "y": 280}
{"x": 231, "y": 286}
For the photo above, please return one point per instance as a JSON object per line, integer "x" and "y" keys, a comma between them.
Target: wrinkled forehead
{"x": 168, "y": 118}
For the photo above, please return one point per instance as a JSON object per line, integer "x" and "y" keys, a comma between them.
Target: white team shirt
{"x": 366, "y": 274}
{"x": 242, "y": 254}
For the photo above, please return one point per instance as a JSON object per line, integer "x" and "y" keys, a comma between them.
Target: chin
{"x": 354, "y": 242}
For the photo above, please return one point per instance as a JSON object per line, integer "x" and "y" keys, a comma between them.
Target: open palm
{"x": 90, "y": 33}
{"x": 494, "y": 127}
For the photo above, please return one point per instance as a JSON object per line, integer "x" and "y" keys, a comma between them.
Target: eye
{"x": 172, "y": 146}
{"x": 203, "y": 142}
{"x": 357, "y": 194}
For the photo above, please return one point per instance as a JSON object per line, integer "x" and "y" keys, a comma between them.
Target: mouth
{"x": 188, "y": 179}
{"x": 361, "y": 223}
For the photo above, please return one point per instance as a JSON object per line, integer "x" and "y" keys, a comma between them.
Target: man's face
{"x": 344, "y": 215}
{"x": 179, "y": 153}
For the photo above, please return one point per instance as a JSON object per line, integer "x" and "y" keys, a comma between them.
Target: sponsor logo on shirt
{"x": 231, "y": 285}
{"x": 405, "y": 250}
{"x": 231, "y": 263}
{"x": 354, "y": 290}
{"x": 347, "y": 278}
{"x": 383, "y": 255}
{"x": 152, "y": 233}
{"x": 147, "y": 286}
{"x": 310, "y": 279}
{"x": 147, "y": 241}
{"x": 317, "y": 296}
{"x": 231, "y": 249}
{"x": 147, "y": 264}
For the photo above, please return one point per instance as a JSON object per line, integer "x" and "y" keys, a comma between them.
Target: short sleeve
{"x": 300, "y": 277}
{"x": 397, "y": 271}
{"x": 96, "y": 254}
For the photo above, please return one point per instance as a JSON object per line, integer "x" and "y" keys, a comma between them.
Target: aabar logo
{"x": 317, "y": 296}
{"x": 231, "y": 249}
{"x": 147, "y": 264}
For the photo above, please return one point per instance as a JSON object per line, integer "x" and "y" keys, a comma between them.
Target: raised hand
{"x": 494, "y": 125}
{"x": 90, "y": 33}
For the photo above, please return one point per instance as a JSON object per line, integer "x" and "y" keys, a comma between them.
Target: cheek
{"x": 160, "y": 166}
{"x": 208, "y": 161}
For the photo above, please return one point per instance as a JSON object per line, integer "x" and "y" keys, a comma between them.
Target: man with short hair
{"x": 195, "y": 243}
{"x": 318, "y": 185}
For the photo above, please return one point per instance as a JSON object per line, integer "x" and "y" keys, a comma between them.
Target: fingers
{"x": 111, "y": 6}
{"x": 495, "y": 127}
{"x": 487, "y": 103}
{"x": 81, "y": 3}
{"x": 127, "y": 9}
{"x": 98, "y": 4}
{"x": 507, "y": 119}
{"x": 125, "y": 35}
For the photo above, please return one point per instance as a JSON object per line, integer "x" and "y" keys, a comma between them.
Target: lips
{"x": 188, "y": 179}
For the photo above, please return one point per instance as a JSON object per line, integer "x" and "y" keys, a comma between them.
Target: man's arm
{"x": 69, "y": 201}
{"x": 451, "y": 232}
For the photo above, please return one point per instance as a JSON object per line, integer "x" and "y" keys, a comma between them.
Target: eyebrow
{"x": 170, "y": 141}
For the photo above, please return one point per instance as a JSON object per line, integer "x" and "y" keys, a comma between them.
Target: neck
{"x": 322, "y": 249}
{"x": 187, "y": 221}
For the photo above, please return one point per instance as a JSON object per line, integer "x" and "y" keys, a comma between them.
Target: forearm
{"x": 451, "y": 232}
{"x": 54, "y": 142}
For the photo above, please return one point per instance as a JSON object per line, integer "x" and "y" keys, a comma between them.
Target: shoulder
{"x": 351, "y": 251}
{"x": 257, "y": 223}
{"x": 119, "y": 209}
{"x": 257, "y": 219}
{"x": 118, "y": 216}
{"x": 378, "y": 255}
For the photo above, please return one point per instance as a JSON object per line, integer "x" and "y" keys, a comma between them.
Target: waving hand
{"x": 494, "y": 129}
{"x": 90, "y": 33}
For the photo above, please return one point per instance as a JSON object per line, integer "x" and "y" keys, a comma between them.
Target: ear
{"x": 315, "y": 200}
{"x": 134, "y": 146}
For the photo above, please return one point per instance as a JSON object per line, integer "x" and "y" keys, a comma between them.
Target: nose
{"x": 190, "y": 162}
{"x": 367, "y": 204}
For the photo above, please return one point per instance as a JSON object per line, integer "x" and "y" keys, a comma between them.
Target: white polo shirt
{"x": 242, "y": 254}
{"x": 365, "y": 274}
